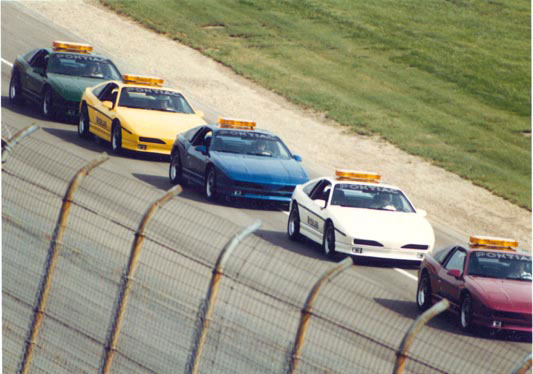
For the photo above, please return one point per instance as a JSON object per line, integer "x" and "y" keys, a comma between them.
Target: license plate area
{"x": 357, "y": 250}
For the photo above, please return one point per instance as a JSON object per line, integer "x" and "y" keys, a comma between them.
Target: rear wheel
{"x": 210, "y": 184}
{"x": 293, "y": 225}
{"x": 116, "y": 139}
{"x": 328, "y": 240}
{"x": 423, "y": 295}
{"x": 15, "y": 91}
{"x": 465, "y": 315}
{"x": 47, "y": 105}
{"x": 83, "y": 124}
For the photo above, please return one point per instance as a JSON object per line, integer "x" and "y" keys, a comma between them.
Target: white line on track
{"x": 7, "y": 62}
{"x": 401, "y": 271}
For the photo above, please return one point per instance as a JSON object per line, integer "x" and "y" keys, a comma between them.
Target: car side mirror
{"x": 108, "y": 104}
{"x": 199, "y": 113}
{"x": 321, "y": 203}
{"x": 456, "y": 273}
{"x": 201, "y": 148}
{"x": 421, "y": 212}
{"x": 297, "y": 158}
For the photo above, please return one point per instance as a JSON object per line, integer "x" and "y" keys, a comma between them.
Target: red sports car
{"x": 488, "y": 284}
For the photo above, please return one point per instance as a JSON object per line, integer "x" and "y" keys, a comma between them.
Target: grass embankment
{"x": 448, "y": 80}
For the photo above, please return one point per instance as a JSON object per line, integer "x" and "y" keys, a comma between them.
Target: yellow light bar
{"x": 492, "y": 242}
{"x": 361, "y": 176}
{"x": 71, "y": 47}
{"x": 139, "y": 79}
{"x": 230, "y": 123}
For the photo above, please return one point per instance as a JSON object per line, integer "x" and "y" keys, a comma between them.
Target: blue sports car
{"x": 235, "y": 160}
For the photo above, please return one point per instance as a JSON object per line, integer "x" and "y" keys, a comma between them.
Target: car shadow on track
{"x": 97, "y": 145}
{"x": 386, "y": 263}
{"x": 32, "y": 110}
{"x": 303, "y": 247}
{"x": 447, "y": 322}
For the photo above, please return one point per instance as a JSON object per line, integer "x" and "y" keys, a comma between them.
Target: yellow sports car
{"x": 137, "y": 114}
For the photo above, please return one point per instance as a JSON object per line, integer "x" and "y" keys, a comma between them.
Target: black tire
{"x": 83, "y": 123}
{"x": 116, "y": 139}
{"x": 293, "y": 223}
{"x": 47, "y": 104}
{"x": 210, "y": 187}
{"x": 175, "y": 169}
{"x": 465, "y": 313}
{"x": 328, "y": 240}
{"x": 423, "y": 293}
{"x": 15, "y": 89}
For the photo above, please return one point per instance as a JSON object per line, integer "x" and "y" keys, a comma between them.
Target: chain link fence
{"x": 182, "y": 316}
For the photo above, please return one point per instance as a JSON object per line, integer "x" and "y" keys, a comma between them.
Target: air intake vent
{"x": 415, "y": 246}
{"x": 151, "y": 140}
{"x": 367, "y": 242}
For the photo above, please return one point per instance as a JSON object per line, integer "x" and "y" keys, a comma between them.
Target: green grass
{"x": 448, "y": 80}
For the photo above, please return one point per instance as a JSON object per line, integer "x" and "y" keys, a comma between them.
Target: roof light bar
{"x": 230, "y": 123}
{"x": 492, "y": 242}
{"x": 139, "y": 79}
{"x": 361, "y": 176}
{"x": 71, "y": 47}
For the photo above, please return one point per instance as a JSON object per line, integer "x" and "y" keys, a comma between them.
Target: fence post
{"x": 206, "y": 312}
{"x": 523, "y": 366}
{"x": 110, "y": 346}
{"x": 8, "y": 144}
{"x": 415, "y": 328}
{"x": 308, "y": 309}
{"x": 51, "y": 261}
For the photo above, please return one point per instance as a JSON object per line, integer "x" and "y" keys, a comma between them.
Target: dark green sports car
{"x": 56, "y": 77}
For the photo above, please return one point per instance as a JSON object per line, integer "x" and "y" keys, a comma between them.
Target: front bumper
{"x": 246, "y": 190}
{"x": 381, "y": 252}
{"x": 504, "y": 321}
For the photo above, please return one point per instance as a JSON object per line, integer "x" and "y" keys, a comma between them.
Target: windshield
{"x": 250, "y": 143}
{"x": 370, "y": 197}
{"x": 82, "y": 66}
{"x": 500, "y": 265}
{"x": 154, "y": 99}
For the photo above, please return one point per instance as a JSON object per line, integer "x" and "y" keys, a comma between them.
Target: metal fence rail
{"x": 254, "y": 321}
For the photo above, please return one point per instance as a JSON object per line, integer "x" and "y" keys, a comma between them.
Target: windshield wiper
{"x": 259, "y": 154}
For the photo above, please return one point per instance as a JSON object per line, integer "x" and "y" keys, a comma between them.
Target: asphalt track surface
{"x": 22, "y": 31}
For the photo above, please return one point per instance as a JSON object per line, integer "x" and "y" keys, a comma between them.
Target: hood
{"x": 156, "y": 123}
{"x": 392, "y": 229}
{"x": 502, "y": 294}
{"x": 69, "y": 87}
{"x": 260, "y": 169}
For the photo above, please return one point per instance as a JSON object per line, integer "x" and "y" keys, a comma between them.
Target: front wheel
{"x": 15, "y": 91}
{"x": 328, "y": 240}
{"x": 293, "y": 225}
{"x": 210, "y": 184}
{"x": 47, "y": 105}
{"x": 423, "y": 295}
{"x": 116, "y": 139}
{"x": 175, "y": 171}
{"x": 83, "y": 124}
{"x": 465, "y": 315}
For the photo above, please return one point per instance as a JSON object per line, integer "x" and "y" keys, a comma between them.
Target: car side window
{"x": 109, "y": 93}
{"x": 322, "y": 191}
{"x": 189, "y": 135}
{"x": 441, "y": 254}
{"x": 202, "y": 137}
{"x": 456, "y": 261}
{"x": 98, "y": 90}
{"x": 40, "y": 59}
{"x": 309, "y": 188}
{"x": 28, "y": 56}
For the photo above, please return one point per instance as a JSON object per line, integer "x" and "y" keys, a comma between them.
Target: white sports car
{"x": 355, "y": 214}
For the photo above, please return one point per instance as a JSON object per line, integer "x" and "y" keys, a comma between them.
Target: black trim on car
{"x": 323, "y": 219}
{"x": 372, "y": 243}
